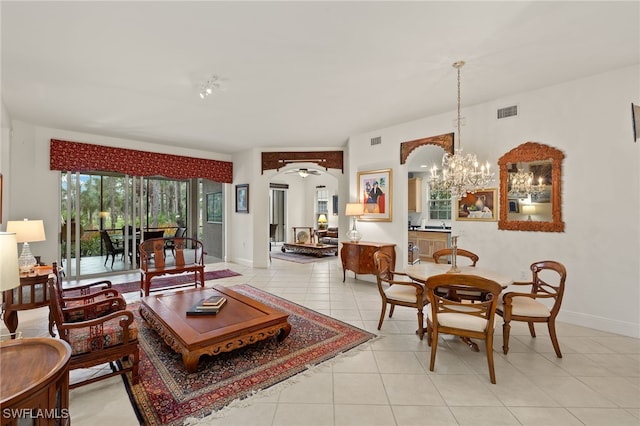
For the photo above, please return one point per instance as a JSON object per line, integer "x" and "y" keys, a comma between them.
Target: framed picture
{"x": 242, "y": 198}
{"x": 214, "y": 207}
{"x": 481, "y": 206}
{"x": 375, "y": 192}
{"x": 335, "y": 205}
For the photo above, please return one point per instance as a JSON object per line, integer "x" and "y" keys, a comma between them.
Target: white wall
{"x": 590, "y": 121}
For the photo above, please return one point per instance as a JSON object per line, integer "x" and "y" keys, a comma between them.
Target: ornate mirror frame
{"x": 531, "y": 152}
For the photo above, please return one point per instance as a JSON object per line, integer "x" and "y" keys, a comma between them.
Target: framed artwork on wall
{"x": 375, "y": 193}
{"x": 214, "y": 207}
{"x": 334, "y": 204}
{"x": 635, "y": 118}
{"x": 481, "y": 206}
{"x": 242, "y": 198}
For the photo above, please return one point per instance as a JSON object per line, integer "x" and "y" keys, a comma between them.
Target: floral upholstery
{"x": 107, "y": 334}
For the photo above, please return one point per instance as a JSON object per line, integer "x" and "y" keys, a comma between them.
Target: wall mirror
{"x": 532, "y": 199}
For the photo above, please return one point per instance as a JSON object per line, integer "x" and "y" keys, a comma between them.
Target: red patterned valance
{"x": 84, "y": 157}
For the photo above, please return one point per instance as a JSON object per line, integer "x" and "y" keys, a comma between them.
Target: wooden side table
{"x": 31, "y": 294}
{"x": 35, "y": 381}
{"x": 358, "y": 257}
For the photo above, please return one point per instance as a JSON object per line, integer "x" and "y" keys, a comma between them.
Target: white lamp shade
{"x": 27, "y": 231}
{"x": 528, "y": 209}
{"x": 9, "y": 273}
{"x": 322, "y": 219}
{"x": 354, "y": 209}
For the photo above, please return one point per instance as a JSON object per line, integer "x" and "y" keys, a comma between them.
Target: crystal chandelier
{"x": 521, "y": 184}
{"x": 460, "y": 172}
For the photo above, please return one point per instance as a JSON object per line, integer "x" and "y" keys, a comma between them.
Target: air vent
{"x": 510, "y": 111}
{"x": 376, "y": 141}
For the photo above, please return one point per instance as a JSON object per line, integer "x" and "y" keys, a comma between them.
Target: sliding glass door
{"x": 102, "y": 214}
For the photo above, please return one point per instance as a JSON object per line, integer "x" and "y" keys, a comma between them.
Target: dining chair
{"x": 531, "y": 307}
{"x": 396, "y": 288}
{"x": 444, "y": 256}
{"x": 460, "y": 318}
{"x": 110, "y": 248}
{"x": 171, "y": 244}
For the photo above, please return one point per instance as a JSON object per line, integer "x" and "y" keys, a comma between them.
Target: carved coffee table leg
{"x": 284, "y": 332}
{"x": 190, "y": 361}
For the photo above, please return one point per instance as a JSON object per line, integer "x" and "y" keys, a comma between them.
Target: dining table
{"x": 424, "y": 270}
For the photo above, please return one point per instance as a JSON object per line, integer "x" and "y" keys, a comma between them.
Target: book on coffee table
{"x": 201, "y": 308}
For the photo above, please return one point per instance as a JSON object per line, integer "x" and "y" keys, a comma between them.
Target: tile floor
{"x": 387, "y": 381}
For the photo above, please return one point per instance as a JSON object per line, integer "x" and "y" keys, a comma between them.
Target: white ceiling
{"x": 295, "y": 74}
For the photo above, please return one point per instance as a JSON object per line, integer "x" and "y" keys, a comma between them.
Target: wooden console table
{"x": 358, "y": 257}
{"x": 31, "y": 294}
{"x": 35, "y": 381}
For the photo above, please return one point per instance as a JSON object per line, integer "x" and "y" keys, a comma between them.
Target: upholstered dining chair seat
{"x": 526, "y": 307}
{"x": 401, "y": 292}
{"x": 467, "y": 322}
{"x": 81, "y": 340}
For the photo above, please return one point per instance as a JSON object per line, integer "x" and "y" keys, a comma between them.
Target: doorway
{"x": 277, "y": 214}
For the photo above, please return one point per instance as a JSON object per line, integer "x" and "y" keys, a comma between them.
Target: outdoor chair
{"x": 110, "y": 248}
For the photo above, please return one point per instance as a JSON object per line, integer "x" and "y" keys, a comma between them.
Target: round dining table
{"x": 422, "y": 271}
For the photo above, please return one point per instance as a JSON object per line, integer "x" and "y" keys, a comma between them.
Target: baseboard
{"x": 600, "y": 323}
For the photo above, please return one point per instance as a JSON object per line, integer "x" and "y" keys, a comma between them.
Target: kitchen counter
{"x": 429, "y": 229}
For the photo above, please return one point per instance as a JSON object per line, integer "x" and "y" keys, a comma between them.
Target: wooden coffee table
{"x": 242, "y": 321}
{"x": 314, "y": 249}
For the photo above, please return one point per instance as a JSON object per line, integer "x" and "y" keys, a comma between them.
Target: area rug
{"x": 301, "y": 258}
{"x": 168, "y": 395}
{"x": 174, "y": 280}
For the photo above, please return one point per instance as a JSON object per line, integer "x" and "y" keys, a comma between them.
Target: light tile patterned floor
{"x": 387, "y": 382}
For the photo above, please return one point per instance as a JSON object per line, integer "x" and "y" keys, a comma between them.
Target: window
{"x": 322, "y": 202}
{"x": 439, "y": 205}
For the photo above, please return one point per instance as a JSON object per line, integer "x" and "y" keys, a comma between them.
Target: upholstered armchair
{"x": 106, "y": 332}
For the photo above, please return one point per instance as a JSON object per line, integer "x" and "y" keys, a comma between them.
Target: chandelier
{"x": 460, "y": 172}
{"x": 521, "y": 184}
{"x": 207, "y": 87}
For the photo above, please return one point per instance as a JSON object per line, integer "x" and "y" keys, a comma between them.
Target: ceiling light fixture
{"x": 209, "y": 86}
{"x": 521, "y": 184}
{"x": 303, "y": 173}
{"x": 460, "y": 173}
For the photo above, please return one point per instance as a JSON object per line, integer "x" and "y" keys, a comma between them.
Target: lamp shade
{"x": 9, "y": 273}
{"x": 322, "y": 219}
{"x": 528, "y": 209}
{"x": 27, "y": 231}
{"x": 354, "y": 209}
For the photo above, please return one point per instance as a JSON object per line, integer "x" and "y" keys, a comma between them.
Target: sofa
{"x": 328, "y": 236}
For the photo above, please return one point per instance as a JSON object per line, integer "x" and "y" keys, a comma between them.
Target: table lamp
{"x": 529, "y": 209}
{"x": 27, "y": 231}
{"x": 322, "y": 221}
{"x": 355, "y": 210}
{"x": 9, "y": 274}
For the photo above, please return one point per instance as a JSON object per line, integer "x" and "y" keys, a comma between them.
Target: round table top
{"x": 28, "y": 363}
{"x": 422, "y": 271}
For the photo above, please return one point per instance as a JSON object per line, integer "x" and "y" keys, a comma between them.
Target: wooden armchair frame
{"x": 406, "y": 292}
{"x": 97, "y": 353}
{"x": 526, "y": 307}
{"x": 471, "y": 321}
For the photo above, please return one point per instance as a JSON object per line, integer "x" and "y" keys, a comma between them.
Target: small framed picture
{"x": 514, "y": 206}
{"x": 242, "y": 198}
{"x": 214, "y": 207}
{"x": 375, "y": 193}
{"x": 480, "y": 206}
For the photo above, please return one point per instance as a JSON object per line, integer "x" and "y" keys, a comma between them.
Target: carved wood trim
{"x": 326, "y": 159}
{"x": 528, "y": 152}
{"x": 443, "y": 141}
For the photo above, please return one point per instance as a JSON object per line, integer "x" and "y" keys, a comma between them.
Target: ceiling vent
{"x": 376, "y": 141}
{"x": 510, "y": 111}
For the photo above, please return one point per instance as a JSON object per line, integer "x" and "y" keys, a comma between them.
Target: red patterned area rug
{"x": 174, "y": 280}
{"x": 167, "y": 394}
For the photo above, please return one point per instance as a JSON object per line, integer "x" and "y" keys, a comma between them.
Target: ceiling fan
{"x": 303, "y": 172}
